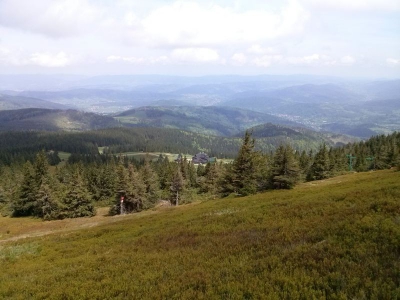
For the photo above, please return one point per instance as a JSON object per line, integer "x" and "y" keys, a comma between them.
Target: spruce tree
{"x": 25, "y": 202}
{"x": 320, "y": 168}
{"x": 150, "y": 181}
{"x": 77, "y": 201}
{"x": 212, "y": 180}
{"x": 137, "y": 189}
{"x": 177, "y": 186}
{"x": 41, "y": 167}
{"x": 244, "y": 168}
{"x": 285, "y": 169}
{"x": 47, "y": 206}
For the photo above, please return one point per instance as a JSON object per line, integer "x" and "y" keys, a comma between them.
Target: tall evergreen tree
{"x": 320, "y": 168}
{"x": 41, "y": 167}
{"x": 77, "y": 201}
{"x": 244, "y": 168}
{"x": 25, "y": 202}
{"x": 177, "y": 186}
{"x": 150, "y": 181}
{"x": 285, "y": 169}
{"x": 48, "y": 207}
{"x": 212, "y": 180}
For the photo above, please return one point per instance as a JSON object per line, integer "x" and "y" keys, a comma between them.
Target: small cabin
{"x": 203, "y": 158}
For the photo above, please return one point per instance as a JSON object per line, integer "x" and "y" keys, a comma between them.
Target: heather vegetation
{"x": 332, "y": 239}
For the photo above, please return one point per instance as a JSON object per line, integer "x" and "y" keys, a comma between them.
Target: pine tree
{"x": 41, "y": 167}
{"x": 137, "y": 189}
{"x": 106, "y": 182}
{"x": 244, "y": 168}
{"x": 285, "y": 169}
{"x": 177, "y": 186}
{"x": 192, "y": 175}
{"x": 2, "y": 196}
{"x": 164, "y": 173}
{"x": 77, "y": 201}
{"x": 25, "y": 202}
{"x": 47, "y": 206}
{"x": 212, "y": 180}
{"x": 122, "y": 205}
{"x": 150, "y": 181}
{"x": 320, "y": 168}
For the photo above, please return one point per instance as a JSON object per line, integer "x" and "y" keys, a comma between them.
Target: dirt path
{"x": 14, "y": 229}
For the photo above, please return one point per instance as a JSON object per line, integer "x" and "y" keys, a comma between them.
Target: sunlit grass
{"x": 335, "y": 239}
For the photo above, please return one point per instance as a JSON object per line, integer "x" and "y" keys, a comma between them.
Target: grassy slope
{"x": 336, "y": 239}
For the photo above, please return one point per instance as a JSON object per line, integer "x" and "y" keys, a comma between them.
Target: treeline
{"x": 21, "y": 146}
{"x": 18, "y": 147}
{"x": 36, "y": 189}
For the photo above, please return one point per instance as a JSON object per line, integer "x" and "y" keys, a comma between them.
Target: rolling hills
{"x": 52, "y": 120}
{"x": 349, "y": 106}
{"x": 9, "y": 102}
{"x": 337, "y": 238}
{"x": 222, "y": 121}
{"x": 141, "y": 139}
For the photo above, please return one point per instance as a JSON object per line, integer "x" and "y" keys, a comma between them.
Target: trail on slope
{"x": 37, "y": 228}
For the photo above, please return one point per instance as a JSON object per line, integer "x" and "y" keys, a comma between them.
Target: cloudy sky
{"x": 329, "y": 37}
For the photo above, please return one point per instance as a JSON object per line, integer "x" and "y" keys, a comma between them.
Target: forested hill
{"x": 222, "y": 121}
{"x": 53, "y": 120}
{"x": 9, "y": 102}
{"x": 118, "y": 140}
{"x": 301, "y": 137}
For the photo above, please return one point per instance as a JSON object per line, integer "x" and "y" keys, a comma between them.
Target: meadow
{"x": 332, "y": 239}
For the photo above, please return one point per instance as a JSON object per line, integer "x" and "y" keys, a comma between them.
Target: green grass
{"x": 64, "y": 155}
{"x": 332, "y": 239}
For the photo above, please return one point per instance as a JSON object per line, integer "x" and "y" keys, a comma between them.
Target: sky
{"x": 348, "y": 38}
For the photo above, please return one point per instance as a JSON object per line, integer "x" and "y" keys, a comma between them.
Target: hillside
{"x": 337, "y": 238}
{"x": 8, "y": 102}
{"x": 52, "y": 120}
{"x": 222, "y": 121}
{"x": 348, "y": 109}
{"x": 296, "y": 136}
{"x": 117, "y": 140}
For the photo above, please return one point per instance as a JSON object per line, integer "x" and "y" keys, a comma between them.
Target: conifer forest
{"x": 47, "y": 188}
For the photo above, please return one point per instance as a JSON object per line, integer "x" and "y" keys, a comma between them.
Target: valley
{"x": 359, "y": 108}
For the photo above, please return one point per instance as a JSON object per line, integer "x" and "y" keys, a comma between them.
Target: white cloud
{"x": 42, "y": 59}
{"x": 347, "y": 60}
{"x": 138, "y": 60}
{"x": 239, "y": 59}
{"x": 257, "y": 49}
{"x": 53, "y": 18}
{"x": 356, "y": 5}
{"x": 316, "y": 60}
{"x": 267, "y": 60}
{"x": 49, "y": 60}
{"x": 393, "y": 62}
{"x": 304, "y": 60}
{"x": 189, "y": 24}
{"x": 195, "y": 55}
{"x": 6, "y": 56}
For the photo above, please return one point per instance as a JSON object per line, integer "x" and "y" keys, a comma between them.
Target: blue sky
{"x": 328, "y": 37}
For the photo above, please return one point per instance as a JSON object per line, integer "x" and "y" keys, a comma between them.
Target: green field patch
{"x": 64, "y": 155}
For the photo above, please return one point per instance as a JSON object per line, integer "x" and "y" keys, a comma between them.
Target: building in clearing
{"x": 202, "y": 158}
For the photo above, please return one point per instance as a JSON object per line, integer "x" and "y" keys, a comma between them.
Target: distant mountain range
{"x": 8, "y": 102}
{"x": 358, "y": 107}
{"x": 222, "y": 121}
{"x": 53, "y": 120}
